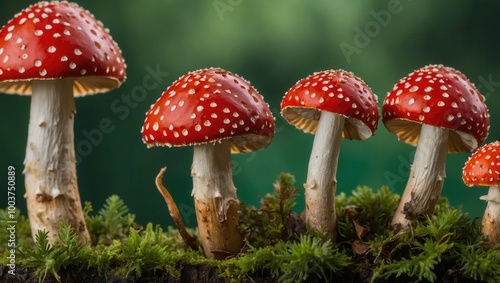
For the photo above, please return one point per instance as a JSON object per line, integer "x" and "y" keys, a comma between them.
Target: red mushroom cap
{"x": 58, "y": 40}
{"x": 335, "y": 91}
{"x": 483, "y": 167}
{"x": 438, "y": 96}
{"x": 206, "y": 106}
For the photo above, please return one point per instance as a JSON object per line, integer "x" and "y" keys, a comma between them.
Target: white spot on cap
{"x": 197, "y": 127}
{"x": 213, "y": 104}
{"x": 207, "y": 123}
{"x": 51, "y": 49}
{"x": 440, "y": 104}
{"x": 199, "y": 108}
{"x": 42, "y": 72}
{"x": 226, "y": 110}
{"x": 8, "y": 36}
{"x": 38, "y": 32}
{"x": 414, "y": 88}
{"x": 72, "y": 65}
{"x": 156, "y": 126}
{"x": 428, "y": 89}
{"x": 411, "y": 101}
{"x": 78, "y": 52}
{"x": 185, "y": 132}
{"x": 450, "y": 117}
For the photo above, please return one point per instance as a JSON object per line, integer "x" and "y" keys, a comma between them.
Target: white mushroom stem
{"x": 50, "y": 167}
{"x": 321, "y": 184}
{"x": 426, "y": 179}
{"x": 491, "y": 218}
{"x": 215, "y": 199}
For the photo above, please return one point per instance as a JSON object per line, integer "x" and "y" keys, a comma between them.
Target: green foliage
{"x": 274, "y": 221}
{"x": 67, "y": 250}
{"x": 292, "y": 261}
{"x": 373, "y": 210}
{"x": 443, "y": 245}
{"x": 480, "y": 264}
{"x": 112, "y": 222}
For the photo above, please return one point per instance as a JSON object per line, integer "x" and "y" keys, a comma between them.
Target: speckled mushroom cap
{"x": 206, "y": 106}
{"x": 53, "y": 40}
{"x": 335, "y": 91}
{"x": 438, "y": 96}
{"x": 483, "y": 167}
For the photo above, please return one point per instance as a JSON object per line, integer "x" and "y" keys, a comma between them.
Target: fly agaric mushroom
{"x": 483, "y": 169}
{"x": 218, "y": 113}
{"x": 331, "y": 104}
{"x": 54, "y": 51}
{"x": 437, "y": 109}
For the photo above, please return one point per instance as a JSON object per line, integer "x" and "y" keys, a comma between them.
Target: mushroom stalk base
{"x": 491, "y": 218}
{"x": 50, "y": 165}
{"x": 426, "y": 179}
{"x": 321, "y": 184}
{"x": 215, "y": 199}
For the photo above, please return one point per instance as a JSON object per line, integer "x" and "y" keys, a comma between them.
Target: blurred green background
{"x": 272, "y": 43}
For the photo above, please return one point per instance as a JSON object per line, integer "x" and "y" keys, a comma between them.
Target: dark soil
{"x": 198, "y": 274}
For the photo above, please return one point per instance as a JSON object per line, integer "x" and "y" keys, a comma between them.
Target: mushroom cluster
{"x": 55, "y": 51}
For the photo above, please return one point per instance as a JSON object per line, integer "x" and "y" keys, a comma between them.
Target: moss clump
{"x": 444, "y": 246}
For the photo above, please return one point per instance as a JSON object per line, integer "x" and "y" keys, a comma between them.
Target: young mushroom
{"x": 483, "y": 169}
{"x": 53, "y": 52}
{"x": 218, "y": 113}
{"x": 332, "y": 104}
{"x": 437, "y": 109}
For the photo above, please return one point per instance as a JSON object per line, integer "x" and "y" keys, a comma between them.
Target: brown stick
{"x": 174, "y": 211}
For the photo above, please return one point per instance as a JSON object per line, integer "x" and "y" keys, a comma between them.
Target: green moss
{"x": 446, "y": 245}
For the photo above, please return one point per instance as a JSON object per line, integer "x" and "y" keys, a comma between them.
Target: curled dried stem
{"x": 174, "y": 211}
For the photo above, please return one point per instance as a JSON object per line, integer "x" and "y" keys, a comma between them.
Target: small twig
{"x": 174, "y": 211}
